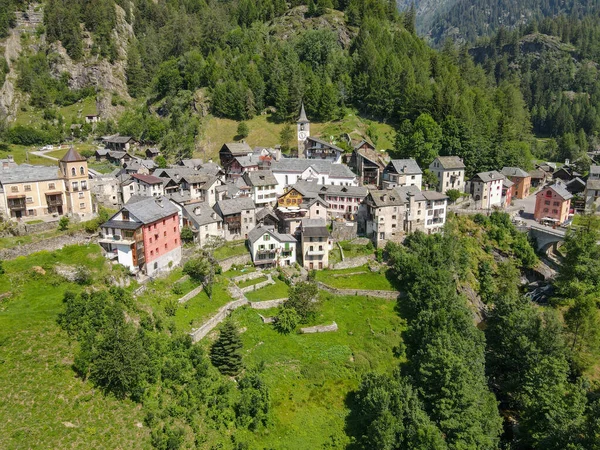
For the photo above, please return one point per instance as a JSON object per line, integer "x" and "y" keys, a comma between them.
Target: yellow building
{"x": 43, "y": 192}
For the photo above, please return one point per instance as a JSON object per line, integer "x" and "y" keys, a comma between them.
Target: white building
{"x": 450, "y": 172}
{"x": 263, "y": 187}
{"x": 270, "y": 248}
{"x": 402, "y": 172}
{"x": 144, "y": 185}
{"x": 486, "y": 189}
{"x": 288, "y": 171}
{"x": 204, "y": 221}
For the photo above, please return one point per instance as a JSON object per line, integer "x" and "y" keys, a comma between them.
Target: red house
{"x": 552, "y": 204}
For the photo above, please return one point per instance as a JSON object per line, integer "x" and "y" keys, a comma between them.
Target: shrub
{"x": 453, "y": 194}
{"x": 243, "y": 130}
{"x": 63, "y": 223}
{"x": 83, "y": 276}
{"x": 302, "y": 298}
{"x": 287, "y": 320}
{"x": 187, "y": 235}
{"x": 171, "y": 308}
{"x": 177, "y": 289}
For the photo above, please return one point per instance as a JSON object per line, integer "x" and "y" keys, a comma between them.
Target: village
{"x": 287, "y": 209}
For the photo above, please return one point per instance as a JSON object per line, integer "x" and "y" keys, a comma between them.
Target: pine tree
{"x": 224, "y": 353}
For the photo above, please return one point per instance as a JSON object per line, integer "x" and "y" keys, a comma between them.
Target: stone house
{"x": 450, "y": 172}
{"x": 486, "y": 189}
{"x": 239, "y": 217}
{"x": 521, "y": 180}
{"x": 316, "y": 243}
{"x": 402, "y": 172}
{"x": 270, "y": 248}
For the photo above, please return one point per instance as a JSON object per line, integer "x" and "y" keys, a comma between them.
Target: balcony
{"x": 115, "y": 239}
{"x": 54, "y": 201}
{"x": 316, "y": 252}
{"x": 17, "y": 203}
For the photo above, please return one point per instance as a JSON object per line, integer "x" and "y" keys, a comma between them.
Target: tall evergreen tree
{"x": 225, "y": 352}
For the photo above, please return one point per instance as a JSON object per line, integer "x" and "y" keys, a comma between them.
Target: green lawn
{"x": 236, "y": 273}
{"x": 44, "y": 405}
{"x": 195, "y": 311}
{"x": 264, "y": 131}
{"x": 270, "y": 292}
{"x": 310, "y": 376}
{"x": 351, "y": 250}
{"x": 33, "y": 117}
{"x": 356, "y": 278}
{"x": 243, "y": 284}
{"x": 229, "y": 249}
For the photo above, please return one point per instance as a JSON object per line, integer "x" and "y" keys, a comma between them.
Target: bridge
{"x": 547, "y": 237}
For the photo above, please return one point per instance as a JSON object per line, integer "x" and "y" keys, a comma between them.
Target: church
{"x": 310, "y": 147}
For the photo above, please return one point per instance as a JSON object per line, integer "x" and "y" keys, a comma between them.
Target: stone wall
{"x": 248, "y": 276}
{"x": 50, "y": 244}
{"x": 267, "y": 304}
{"x": 257, "y": 286}
{"x": 351, "y": 263}
{"x": 388, "y": 295}
{"x": 210, "y": 324}
{"x": 319, "y": 329}
{"x": 343, "y": 231}
{"x": 239, "y": 260}
{"x": 33, "y": 228}
{"x": 267, "y": 319}
{"x": 190, "y": 295}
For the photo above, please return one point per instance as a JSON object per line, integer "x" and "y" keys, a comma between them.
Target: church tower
{"x": 73, "y": 170}
{"x": 303, "y": 132}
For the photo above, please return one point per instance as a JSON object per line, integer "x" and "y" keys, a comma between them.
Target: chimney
{"x": 10, "y": 158}
{"x": 159, "y": 202}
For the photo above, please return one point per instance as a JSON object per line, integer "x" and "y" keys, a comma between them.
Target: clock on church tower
{"x": 303, "y": 132}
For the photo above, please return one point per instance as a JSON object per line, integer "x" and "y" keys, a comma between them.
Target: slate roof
{"x": 302, "y": 118}
{"x": 594, "y": 169}
{"x": 260, "y": 178}
{"x": 344, "y": 191}
{"x": 319, "y": 231}
{"x": 487, "y": 177}
{"x": 26, "y": 172}
{"x": 235, "y": 205}
{"x": 406, "y": 166}
{"x": 507, "y": 183}
{"x": 150, "y": 209}
{"x": 247, "y": 160}
{"x": 433, "y": 195}
{"x": 324, "y": 143}
{"x": 237, "y": 148}
{"x": 593, "y": 184}
{"x": 264, "y": 212}
{"x": 514, "y": 172}
{"x": 451, "y": 162}
{"x": 201, "y": 214}
{"x": 116, "y": 139}
{"x": 560, "y": 190}
{"x": 321, "y": 166}
{"x": 256, "y": 233}
{"x": 72, "y": 156}
{"x": 537, "y": 174}
{"x": 148, "y": 179}
{"x": 386, "y": 198}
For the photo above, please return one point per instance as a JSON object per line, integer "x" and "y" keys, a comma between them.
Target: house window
{"x": 75, "y": 185}
{"x": 81, "y": 195}
{"x": 151, "y": 252}
{"x": 157, "y": 250}
{"x": 14, "y": 189}
{"x": 165, "y": 246}
{"x": 164, "y": 221}
{"x": 82, "y": 206}
{"x": 266, "y": 237}
{"x": 81, "y": 170}
{"x": 164, "y": 234}
{"x": 546, "y": 210}
{"x": 175, "y": 241}
{"x": 29, "y": 200}
{"x": 547, "y": 202}
{"x": 73, "y": 171}
{"x": 30, "y": 212}
{"x": 175, "y": 229}
{"x": 151, "y": 240}
{"x": 555, "y": 211}
{"x": 84, "y": 185}
{"x": 27, "y": 188}
{"x": 51, "y": 186}
{"x": 555, "y": 204}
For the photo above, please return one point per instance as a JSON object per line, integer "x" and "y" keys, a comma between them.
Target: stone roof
{"x": 537, "y": 174}
{"x": 318, "y": 231}
{"x": 487, "y": 177}
{"x": 235, "y": 205}
{"x": 514, "y": 172}
{"x": 451, "y": 162}
{"x": 594, "y": 169}
{"x": 260, "y": 178}
{"x": 25, "y": 172}
{"x": 237, "y": 148}
{"x": 256, "y": 233}
{"x": 507, "y": 183}
{"x": 344, "y": 191}
{"x": 116, "y": 139}
{"x": 321, "y": 166}
{"x": 592, "y": 184}
{"x": 560, "y": 190}
{"x": 406, "y": 166}
{"x": 201, "y": 214}
{"x": 433, "y": 195}
{"x": 247, "y": 160}
{"x": 148, "y": 179}
{"x": 150, "y": 209}
{"x": 72, "y": 156}
{"x": 324, "y": 143}
{"x": 264, "y": 212}
{"x": 302, "y": 118}
{"x": 386, "y": 198}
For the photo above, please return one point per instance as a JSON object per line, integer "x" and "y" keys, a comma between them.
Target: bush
{"x": 187, "y": 235}
{"x": 242, "y": 130}
{"x": 287, "y": 320}
{"x": 83, "y": 276}
{"x": 303, "y": 300}
{"x": 63, "y": 223}
{"x": 453, "y": 195}
{"x": 177, "y": 289}
{"x": 171, "y": 308}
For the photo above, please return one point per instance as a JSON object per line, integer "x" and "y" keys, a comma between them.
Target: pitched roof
{"x": 592, "y": 184}
{"x": 560, "y": 190}
{"x": 594, "y": 169}
{"x": 507, "y": 183}
{"x": 260, "y": 178}
{"x": 235, "y": 205}
{"x": 325, "y": 143}
{"x": 302, "y": 118}
{"x": 406, "y": 166}
{"x": 257, "y": 232}
{"x": 72, "y": 156}
{"x": 537, "y": 174}
{"x": 264, "y": 212}
{"x": 237, "y": 148}
{"x": 321, "y": 166}
{"x": 148, "y": 179}
{"x": 26, "y": 172}
{"x": 514, "y": 172}
{"x": 150, "y": 209}
{"x": 344, "y": 191}
{"x": 386, "y": 198}
{"x": 451, "y": 162}
{"x": 433, "y": 195}
{"x": 201, "y": 214}
{"x": 117, "y": 139}
{"x": 486, "y": 177}
{"x": 318, "y": 231}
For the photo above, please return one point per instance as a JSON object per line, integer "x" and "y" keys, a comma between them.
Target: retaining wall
{"x": 50, "y": 244}
{"x": 319, "y": 329}
{"x": 388, "y": 295}
{"x": 267, "y": 304}
{"x": 257, "y": 286}
{"x": 208, "y": 326}
{"x": 239, "y": 260}
{"x": 248, "y": 276}
{"x": 351, "y": 263}
{"x": 190, "y": 295}
{"x": 267, "y": 319}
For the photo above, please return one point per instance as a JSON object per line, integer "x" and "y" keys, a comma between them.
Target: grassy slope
{"x": 42, "y": 398}
{"x": 356, "y": 278}
{"x": 33, "y": 117}
{"x": 310, "y": 376}
{"x": 265, "y": 132}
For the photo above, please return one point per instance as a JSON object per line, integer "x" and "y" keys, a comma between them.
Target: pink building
{"x": 144, "y": 235}
{"x": 553, "y": 204}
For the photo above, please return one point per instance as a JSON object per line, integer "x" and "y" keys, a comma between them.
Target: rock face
{"x": 8, "y": 95}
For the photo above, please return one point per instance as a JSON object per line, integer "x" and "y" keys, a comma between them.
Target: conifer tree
{"x": 224, "y": 353}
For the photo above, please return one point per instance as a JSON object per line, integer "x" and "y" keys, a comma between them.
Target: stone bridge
{"x": 547, "y": 237}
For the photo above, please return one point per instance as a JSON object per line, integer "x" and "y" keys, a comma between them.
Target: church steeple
{"x": 303, "y": 131}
